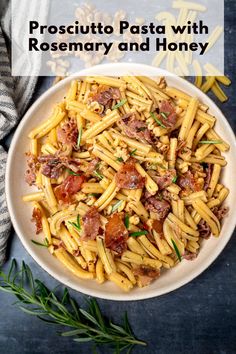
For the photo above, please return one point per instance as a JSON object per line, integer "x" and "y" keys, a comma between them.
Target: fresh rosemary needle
{"x": 88, "y": 325}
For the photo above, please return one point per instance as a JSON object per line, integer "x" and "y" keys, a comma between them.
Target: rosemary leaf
{"x": 45, "y": 244}
{"x": 138, "y": 233}
{"x": 157, "y": 120}
{"x": 132, "y": 153}
{"x": 176, "y": 250}
{"x": 84, "y": 325}
{"x": 127, "y": 221}
{"x": 119, "y": 104}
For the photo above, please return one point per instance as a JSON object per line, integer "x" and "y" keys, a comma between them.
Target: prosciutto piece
{"x": 188, "y": 182}
{"x": 146, "y": 275}
{"x": 92, "y": 166}
{"x": 53, "y": 165}
{"x": 68, "y": 133}
{"x": 208, "y": 176}
{"x": 168, "y": 116}
{"x": 165, "y": 180}
{"x": 221, "y": 212}
{"x": 159, "y": 207}
{"x": 91, "y": 224}
{"x": 204, "y": 229}
{"x": 135, "y": 128}
{"x": 30, "y": 175}
{"x": 37, "y": 219}
{"x": 116, "y": 234}
{"x": 157, "y": 225}
{"x": 128, "y": 177}
{"x": 71, "y": 185}
{"x": 105, "y": 95}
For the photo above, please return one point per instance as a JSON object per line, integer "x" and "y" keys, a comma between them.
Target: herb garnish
{"x": 89, "y": 325}
{"x": 157, "y": 120}
{"x": 79, "y": 137}
{"x": 138, "y": 233}
{"x": 174, "y": 179}
{"x": 73, "y": 173}
{"x": 127, "y": 221}
{"x": 133, "y": 152}
{"x": 210, "y": 142}
{"x": 120, "y": 159}
{"x": 119, "y": 104}
{"x": 94, "y": 195}
{"x": 77, "y": 225}
{"x": 98, "y": 174}
{"x": 45, "y": 244}
{"x": 116, "y": 205}
{"x": 176, "y": 250}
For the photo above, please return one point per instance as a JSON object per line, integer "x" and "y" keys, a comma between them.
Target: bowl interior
{"x": 21, "y": 212}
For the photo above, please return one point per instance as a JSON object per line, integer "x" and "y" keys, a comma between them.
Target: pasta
{"x": 128, "y": 172}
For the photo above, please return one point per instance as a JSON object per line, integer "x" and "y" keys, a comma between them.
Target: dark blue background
{"x": 199, "y": 318}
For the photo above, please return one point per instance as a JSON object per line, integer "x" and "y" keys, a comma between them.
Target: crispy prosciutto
{"x": 92, "y": 166}
{"x": 91, "y": 224}
{"x": 104, "y": 95}
{"x": 37, "y": 219}
{"x": 30, "y": 175}
{"x": 135, "y": 128}
{"x": 68, "y": 133}
{"x": 71, "y": 185}
{"x": 128, "y": 177}
{"x": 53, "y": 165}
{"x": 204, "y": 229}
{"x": 188, "y": 182}
{"x": 168, "y": 116}
{"x": 221, "y": 212}
{"x": 157, "y": 225}
{"x": 146, "y": 274}
{"x": 165, "y": 180}
{"x": 159, "y": 207}
{"x": 190, "y": 256}
{"x": 116, "y": 234}
{"x": 208, "y": 176}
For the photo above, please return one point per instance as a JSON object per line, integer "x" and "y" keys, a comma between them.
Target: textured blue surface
{"x": 199, "y": 318}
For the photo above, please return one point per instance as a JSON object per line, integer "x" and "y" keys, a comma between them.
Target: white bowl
{"x": 21, "y": 212}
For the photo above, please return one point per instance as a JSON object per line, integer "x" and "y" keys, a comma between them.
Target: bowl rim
{"x": 99, "y": 293}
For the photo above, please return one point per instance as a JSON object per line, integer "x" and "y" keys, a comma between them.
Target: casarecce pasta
{"x": 129, "y": 179}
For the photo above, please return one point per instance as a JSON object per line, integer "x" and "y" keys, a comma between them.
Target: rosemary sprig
{"x": 132, "y": 153}
{"x": 138, "y": 233}
{"x": 98, "y": 174}
{"x": 176, "y": 250}
{"x": 174, "y": 179}
{"x": 88, "y": 325}
{"x": 157, "y": 120}
{"x": 119, "y": 104}
{"x": 44, "y": 244}
{"x": 127, "y": 221}
{"x": 77, "y": 225}
{"x": 73, "y": 173}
